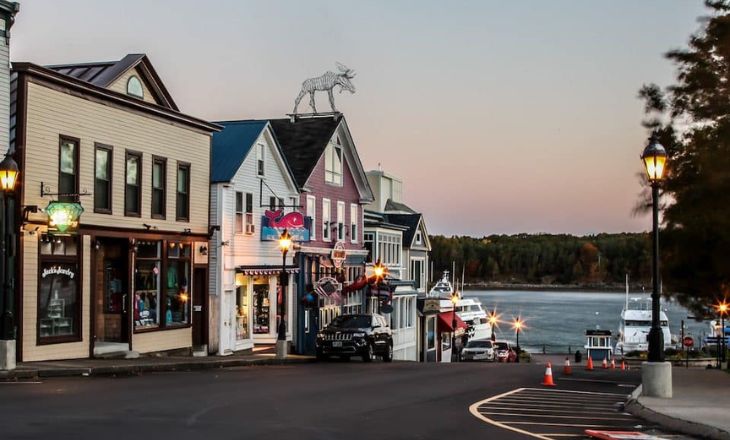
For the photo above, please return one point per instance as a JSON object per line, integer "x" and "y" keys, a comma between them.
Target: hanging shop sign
{"x": 339, "y": 254}
{"x": 63, "y": 216}
{"x": 273, "y": 224}
{"x": 328, "y": 287}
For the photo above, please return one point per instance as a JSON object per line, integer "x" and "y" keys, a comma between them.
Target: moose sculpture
{"x": 327, "y": 82}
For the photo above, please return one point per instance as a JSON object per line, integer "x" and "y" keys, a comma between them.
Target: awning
{"x": 265, "y": 270}
{"x": 444, "y": 322}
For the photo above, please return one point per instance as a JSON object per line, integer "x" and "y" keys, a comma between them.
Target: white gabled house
{"x": 249, "y": 179}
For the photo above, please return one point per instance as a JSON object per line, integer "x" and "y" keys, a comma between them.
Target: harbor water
{"x": 556, "y": 321}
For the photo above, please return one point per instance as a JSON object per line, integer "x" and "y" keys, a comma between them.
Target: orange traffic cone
{"x": 589, "y": 365}
{"x": 613, "y": 364}
{"x": 567, "y": 370}
{"x": 623, "y": 365}
{"x": 604, "y": 364}
{"x": 548, "y": 380}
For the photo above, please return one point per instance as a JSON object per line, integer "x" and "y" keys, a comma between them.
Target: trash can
{"x": 578, "y": 357}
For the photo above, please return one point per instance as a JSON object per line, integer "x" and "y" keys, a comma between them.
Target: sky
{"x": 500, "y": 117}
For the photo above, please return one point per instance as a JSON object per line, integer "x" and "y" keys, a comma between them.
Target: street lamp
{"x": 379, "y": 272}
{"x": 656, "y": 375}
{"x": 517, "y": 325}
{"x": 285, "y": 243}
{"x": 8, "y": 178}
{"x": 454, "y": 300}
{"x": 722, "y": 309}
{"x": 493, "y": 319}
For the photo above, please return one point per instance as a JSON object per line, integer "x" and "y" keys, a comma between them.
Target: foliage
{"x": 546, "y": 258}
{"x": 692, "y": 118}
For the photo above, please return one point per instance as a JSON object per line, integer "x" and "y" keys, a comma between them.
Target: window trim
{"x": 141, "y": 86}
{"x": 248, "y": 215}
{"x": 162, "y": 160}
{"x": 77, "y": 142}
{"x": 330, "y": 174}
{"x": 313, "y": 216}
{"x": 110, "y": 192}
{"x": 341, "y": 232}
{"x": 260, "y": 159}
{"x": 127, "y": 155}
{"x": 327, "y": 227}
{"x": 236, "y": 212}
{"x": 187, "y": 190}
{"x": 354, "y": 238}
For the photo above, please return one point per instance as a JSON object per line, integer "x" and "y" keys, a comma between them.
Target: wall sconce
{"x": 203, "y": 250}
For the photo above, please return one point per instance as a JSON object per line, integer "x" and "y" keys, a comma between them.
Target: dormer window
{"x": 419, "y": 237}
{"x": 134, "y": 87}
{"x": 333, "y": 163}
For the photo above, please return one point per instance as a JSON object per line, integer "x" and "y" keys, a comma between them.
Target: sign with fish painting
{"x": 273, "y": 224}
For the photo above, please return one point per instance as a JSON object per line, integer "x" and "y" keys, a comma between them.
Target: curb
{"x": 634, "y": 407}
{"x": 133, "y": 370}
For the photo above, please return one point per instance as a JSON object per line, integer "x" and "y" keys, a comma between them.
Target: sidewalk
{"x": 127, "y": 367}
{"x": 700, "y": 405}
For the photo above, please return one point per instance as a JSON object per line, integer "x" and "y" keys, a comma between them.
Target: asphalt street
{"x": 334, "y": 400}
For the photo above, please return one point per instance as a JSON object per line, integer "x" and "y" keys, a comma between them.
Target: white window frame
{"x": 419, "y": 237}
{"x": 354, "y": 223}
{"x": 312, "y": 212}
{"x": 260, "y": 160}
{"x": 248, "y": 218}
{"x": 333, "y": 163}
{"x": 340, "y": 221}
{"x": 326, "y": 218}
{"x": 238, "y": 219}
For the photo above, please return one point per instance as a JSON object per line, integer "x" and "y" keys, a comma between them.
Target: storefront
{"x": 436, "y": 330}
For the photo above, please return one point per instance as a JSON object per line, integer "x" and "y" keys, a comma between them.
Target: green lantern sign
{"x": 63, "y": 215}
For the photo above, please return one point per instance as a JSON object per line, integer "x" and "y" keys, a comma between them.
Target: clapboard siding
{"x": 162, "y": 340}
{"x": 120, "y": 85}
{"x": 51, "y": 113}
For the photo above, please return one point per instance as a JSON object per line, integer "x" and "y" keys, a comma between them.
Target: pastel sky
{"x": 501, "y": 117}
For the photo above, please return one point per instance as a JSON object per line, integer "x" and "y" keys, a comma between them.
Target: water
{"x": 558, "y": 320}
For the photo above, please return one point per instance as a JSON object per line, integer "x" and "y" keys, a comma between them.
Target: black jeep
{"x": 356, "y": 335}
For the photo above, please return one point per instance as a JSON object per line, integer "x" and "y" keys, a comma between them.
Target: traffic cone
{"x": 548, "y": 380}
{"x": 604, "y": 364}
{"x": 589, "y": 365}
{"x": 623, "y": 365}
{"x": 566, "y": 368}
{"x": 613, "y": 364}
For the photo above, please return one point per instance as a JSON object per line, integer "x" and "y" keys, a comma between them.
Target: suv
{"x": 505, "y": 353}
{"x": 356, "y": 335}
{"x": 478, "y": 350}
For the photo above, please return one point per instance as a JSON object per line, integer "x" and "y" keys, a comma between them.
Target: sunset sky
{"x": 501, "y": 117}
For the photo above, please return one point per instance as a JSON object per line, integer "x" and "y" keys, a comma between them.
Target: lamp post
{"x": 285, "y": 243}
{"x": 722, "y": 309}
{"x": 517, "y": 325}
{"x": 493, "y": 318}
{"x": 379, "y": 271}
{"x": 8, "y": 178}
{"x": 454, "y": 300}
{"x": 656, "y": 374}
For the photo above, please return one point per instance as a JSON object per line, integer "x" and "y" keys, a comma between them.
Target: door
{"x": 200, "y": 301}
{"x": 111, "y": 290}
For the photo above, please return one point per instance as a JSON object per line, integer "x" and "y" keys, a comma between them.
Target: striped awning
{"x": 265, "y": 270}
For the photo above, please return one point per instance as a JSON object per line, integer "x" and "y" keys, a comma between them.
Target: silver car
{"x": 478, "y": 350}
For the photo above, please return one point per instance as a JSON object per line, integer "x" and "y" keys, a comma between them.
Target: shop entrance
{"x": 200, "y": 315}
{"x": 111, "y": 295}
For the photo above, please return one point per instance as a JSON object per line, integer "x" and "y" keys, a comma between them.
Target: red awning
{"x": 444, "y": 322}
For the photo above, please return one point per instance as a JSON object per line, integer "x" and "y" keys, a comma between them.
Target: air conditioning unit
{"x": 250, "y": 229}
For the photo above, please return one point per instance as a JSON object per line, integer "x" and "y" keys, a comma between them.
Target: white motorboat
{"x": 470, "y": 311}
{"x": 443, "y": 288}
{"x": 636, "y": 323}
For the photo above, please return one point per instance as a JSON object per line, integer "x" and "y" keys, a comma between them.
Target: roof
{"x": 390, "y": 205}
{"x": 303, "y": 142}
{"x": 410, "y": 221}
{"x": 104, "y": 73}
{"x": 231, "y": 146}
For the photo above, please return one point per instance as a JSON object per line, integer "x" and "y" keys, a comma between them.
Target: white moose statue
{"x": 327, "y": 82}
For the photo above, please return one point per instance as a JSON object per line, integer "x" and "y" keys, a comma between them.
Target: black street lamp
{"x": 8, "y": 178}
{"x": 654, "y": 159}
{"x": 518, "y": 327}
{"x": 379, "y": 272}
{"x": 722, "y": 309}
{"x": 285, "y": 243}
{"x": 493, "y": 319}
{"x": 454, "y": 300}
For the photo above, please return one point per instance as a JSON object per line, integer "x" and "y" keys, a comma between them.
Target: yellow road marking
{"x": 474, "y": 410}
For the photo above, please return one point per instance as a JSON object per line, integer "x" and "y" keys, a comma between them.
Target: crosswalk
{"x": 550, "y": 414}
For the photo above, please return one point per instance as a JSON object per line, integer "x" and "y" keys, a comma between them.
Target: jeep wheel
{"x": 388, "y": 356}
{"x": 367, "y": 355}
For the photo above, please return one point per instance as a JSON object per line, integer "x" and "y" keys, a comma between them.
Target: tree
{"x": 692, "y": 118}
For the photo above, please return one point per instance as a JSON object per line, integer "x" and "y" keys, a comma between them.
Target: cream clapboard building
{"x": 132, "y": 275}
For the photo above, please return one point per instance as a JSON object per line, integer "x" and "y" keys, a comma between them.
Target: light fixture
{"x": 654, "y": 158}
{"x": 8, "y": 173}
{"x": 63, "y": 215}
{"x": 379, "y": 270}
{"x": 285, "y": 241}
{"x": 455, "y": 298}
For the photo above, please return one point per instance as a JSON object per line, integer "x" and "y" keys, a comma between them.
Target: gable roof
{"x": 231, "y": 146}
{"x": 104, "y": 73}
{"x": 410, "y": 221}
{"x": 303, "y": 142}
{"x": 390, "y": 205}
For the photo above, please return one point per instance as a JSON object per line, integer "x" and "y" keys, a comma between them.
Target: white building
{"x": 252, "y": 196}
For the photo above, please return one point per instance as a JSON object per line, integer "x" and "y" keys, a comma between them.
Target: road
{"x": 335, "y": 400}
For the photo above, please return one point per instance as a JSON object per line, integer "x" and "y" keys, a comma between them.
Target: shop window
{"x": 431, "y": 333}
{"x": 183, "y": 192}
{"x": 159, "y": 179}
{"x": 147, "y": 285}
{"x": 103, "y": 179}
{"x": 68, "y": 169}
{"x": 132, "y": 192}
{"x": 177, "y": 285}
{"x": 261, "y": 306}
{"x": 59, "y": 301}
{"x": 242, "y": 324}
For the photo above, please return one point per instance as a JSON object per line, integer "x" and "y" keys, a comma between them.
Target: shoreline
{"x": 633, "y": 290}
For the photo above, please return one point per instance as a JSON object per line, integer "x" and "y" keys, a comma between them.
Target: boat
{"x": 443, "y": 288}
{"x": 470, "y": 311}
{"x": 636, "y": 323}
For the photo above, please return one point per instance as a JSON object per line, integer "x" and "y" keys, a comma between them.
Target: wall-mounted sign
{"x": 58, "y": 270}
{"x": 273, "y": 224}
{"x": 63, "y": 216}
{"x": 339, "y": 254}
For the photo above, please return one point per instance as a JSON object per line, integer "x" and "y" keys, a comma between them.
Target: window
{"x": 419, "y": 237}
{"x": 340, "y": 221}
{"x": 68, "y": 169}
{"x": 177, "y": 285}
{"x": 239, "y": 212}
{"x": 261, "y": 306}
{"x": 260, "y": 154}
{"x": 294, "y": 203}
{"x": 389, "y": 248}
{"x": 326, "y": 213}
{"x": 59, "y": 300}
{"x": 417, "y": 273}
{"x": 134, "y": 87}
{"x": 183, "y": 192}
{"x": 132, "y": 192}
{"x": 368, "y": 238}
{"x": 312, "y": 212}
{"x": 352, "y": 303}
{"x": 430, "y": 333}
{"x": 272, "y": 203}
{"x": 243, "y": 331}
{"x": 159, "y": 185}
{"x": 354, "y": 215}
{"x": 102, "y": 179}
{"x": 147, "y": 267}
{"x": 249, "y": 214}
{"x": 333, "y": 163}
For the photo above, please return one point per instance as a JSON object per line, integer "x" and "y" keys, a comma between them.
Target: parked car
{"x": 478, "y": 350}
{"x": 364, "y": 335}
{"x": 504, "y": 352}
